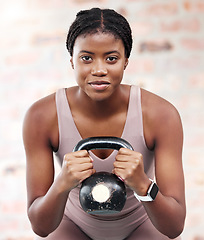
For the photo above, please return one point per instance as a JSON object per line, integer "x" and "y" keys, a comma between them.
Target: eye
{"x": 112, "y": 59}
{"x": 86, "y": 59}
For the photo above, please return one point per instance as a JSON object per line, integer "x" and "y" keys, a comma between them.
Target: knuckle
{"x": 91, "y": 171}
{"x": 89, "y": 166}
{"x": 88, "y": 173}
{"x": 115, "y": 164}
{"x": 66, "y": 156}
{"x": 69, "y": 163}
{"x": 134, "y": 167}
{"x": 83, "y": 153}
{"x": 117, "y": 157}
{"x": 129, "y": 173}
{"x": 76, "y": 175}
{"x": 120, "y": 150}
{"x": 140, "y": 156}
{"x": 125, "y": 178}
{"x": 136, "y": 162}
{"x": 71, "y": 170}
{"x": 123, "y": 150}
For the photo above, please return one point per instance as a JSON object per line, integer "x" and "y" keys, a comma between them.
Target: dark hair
{"x": 100, "y": 20}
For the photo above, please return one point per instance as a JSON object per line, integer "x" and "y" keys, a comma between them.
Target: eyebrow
{"x": 84, "y": 51}
{"x": 106, "y": 53}
{"x": 114, "y": 51}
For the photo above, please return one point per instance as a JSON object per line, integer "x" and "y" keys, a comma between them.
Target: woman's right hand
{"x": 76, "y": 167}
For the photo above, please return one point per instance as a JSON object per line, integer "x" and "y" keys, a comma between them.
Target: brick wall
{"x": 167, "y": 58}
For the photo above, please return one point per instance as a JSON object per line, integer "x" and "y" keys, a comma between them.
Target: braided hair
{"x": 100, "y": 20}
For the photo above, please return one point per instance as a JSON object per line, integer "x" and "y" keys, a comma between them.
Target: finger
{"x": 84, "y": 167}
{"x": 129, "y": 158}
{"x": 76, "y": 170}
{"x": 78, "y": 154}
{"x": 122, "y": 158}
{"x": 81, "y": 153}
{"x": 86, "y": 174}
{"x": 125, "y": 151}
{"x": 121, "y": 165}
{"x": 128, "y": 152}
{"x": 82, "y": 160}
{"x": 119, "y": 174}
{"x": 77, "y": 160}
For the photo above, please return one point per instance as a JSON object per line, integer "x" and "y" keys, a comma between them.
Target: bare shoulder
{"x": 157, "y": 106}
{"x": 160, "y": 117}
{"x": 40, "y": 119}
{"x": 42, "y": 110}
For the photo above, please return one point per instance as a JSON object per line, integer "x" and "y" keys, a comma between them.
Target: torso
{"x": 101, "y": 124}
{"x": 87, "y": 126}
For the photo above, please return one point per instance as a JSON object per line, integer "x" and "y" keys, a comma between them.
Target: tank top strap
{"x": 61, "y": 108}
{"x": 134, "y": 123}
{"x": 67, "y": 129}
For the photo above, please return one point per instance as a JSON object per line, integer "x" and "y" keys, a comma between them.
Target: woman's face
{"x": 99, "y": 62}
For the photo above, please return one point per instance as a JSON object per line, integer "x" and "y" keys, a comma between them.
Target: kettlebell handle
{"x": 102, "y": 143}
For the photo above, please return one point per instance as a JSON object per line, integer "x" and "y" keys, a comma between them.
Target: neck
{"x": 104, "y": 108}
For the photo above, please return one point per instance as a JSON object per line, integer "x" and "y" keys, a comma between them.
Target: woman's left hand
{"x": 130, "y": 168}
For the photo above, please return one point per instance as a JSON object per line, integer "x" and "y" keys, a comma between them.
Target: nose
{"x": 99, "y": 69}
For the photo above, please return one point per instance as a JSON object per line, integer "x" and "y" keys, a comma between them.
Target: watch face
{"x": 154, "y": 191}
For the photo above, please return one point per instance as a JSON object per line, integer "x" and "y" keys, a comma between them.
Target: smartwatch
{"x": 151, "y": 193}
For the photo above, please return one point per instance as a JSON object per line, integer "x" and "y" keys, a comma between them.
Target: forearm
{"x": 166, "y": 214}
{"x": 46, "y": 212}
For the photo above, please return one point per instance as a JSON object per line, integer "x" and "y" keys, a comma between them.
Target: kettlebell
{"x": 103, "y": 192}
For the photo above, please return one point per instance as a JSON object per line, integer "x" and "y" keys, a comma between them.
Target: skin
{"x": 99, "y": 107}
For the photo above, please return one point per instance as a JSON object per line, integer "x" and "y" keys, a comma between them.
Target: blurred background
{"x": 167, "y": 59}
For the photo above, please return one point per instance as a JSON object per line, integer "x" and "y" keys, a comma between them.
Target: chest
{"x": 112, "y": 126}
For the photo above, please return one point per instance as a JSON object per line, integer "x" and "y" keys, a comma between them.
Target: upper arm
{"x": 39, "y": 155}
{"x": 164, "y": 129}
{"x": 168, "y": 154}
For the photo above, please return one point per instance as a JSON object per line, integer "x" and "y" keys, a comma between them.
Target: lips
{"x": 99, "y": 85}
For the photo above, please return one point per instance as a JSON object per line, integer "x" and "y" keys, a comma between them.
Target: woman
{"x": 99, "y": 43}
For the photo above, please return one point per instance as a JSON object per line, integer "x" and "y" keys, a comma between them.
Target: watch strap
{"x": 148, "y": 197}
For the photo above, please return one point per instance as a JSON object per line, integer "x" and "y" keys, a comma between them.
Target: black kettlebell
{"x": 102, "y": 193}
